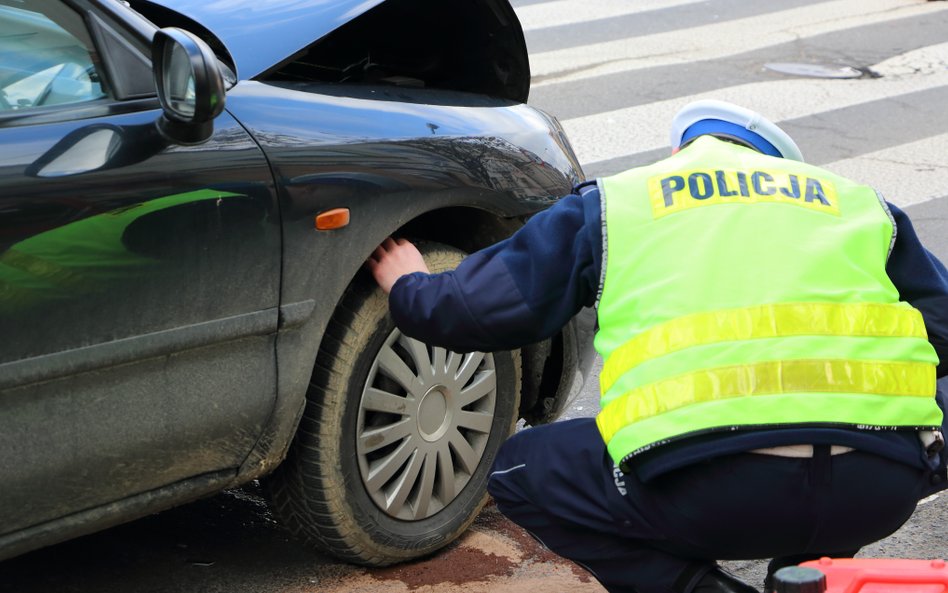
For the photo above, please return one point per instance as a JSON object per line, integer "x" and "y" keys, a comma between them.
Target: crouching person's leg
{"x": 557, "y": 482}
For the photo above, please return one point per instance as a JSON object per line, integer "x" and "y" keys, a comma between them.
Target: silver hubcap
{"x": 424, "y": 420}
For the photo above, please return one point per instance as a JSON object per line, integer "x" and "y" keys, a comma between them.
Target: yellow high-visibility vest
{"x": 748, "y": 291}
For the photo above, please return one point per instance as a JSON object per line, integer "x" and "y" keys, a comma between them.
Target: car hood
{"x": 260, "y": 34}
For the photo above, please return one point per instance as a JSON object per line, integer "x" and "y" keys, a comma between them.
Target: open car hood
{"x": 263, "y": 35}
{"x": 260, "y": 34}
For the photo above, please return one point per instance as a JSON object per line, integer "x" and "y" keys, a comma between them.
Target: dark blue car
{"x": 188, "y": 190}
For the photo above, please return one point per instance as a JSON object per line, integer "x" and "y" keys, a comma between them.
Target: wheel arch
{"x": 547, "y": 365}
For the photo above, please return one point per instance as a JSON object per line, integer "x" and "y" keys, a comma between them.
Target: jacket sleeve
{"x": 922, "y": 281}
{"x": 516, "y": 292}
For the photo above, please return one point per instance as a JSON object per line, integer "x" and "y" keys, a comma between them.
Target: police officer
{"x": 771, "y": 335}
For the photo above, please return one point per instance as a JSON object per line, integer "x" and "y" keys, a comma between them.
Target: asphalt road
{"x": 614, "y": 72}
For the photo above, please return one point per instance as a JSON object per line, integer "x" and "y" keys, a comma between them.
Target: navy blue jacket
{"x": 525, "y": 288}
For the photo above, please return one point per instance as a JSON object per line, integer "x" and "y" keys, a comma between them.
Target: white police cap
{"x": 729, "y": 120}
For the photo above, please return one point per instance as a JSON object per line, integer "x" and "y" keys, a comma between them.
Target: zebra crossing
{"x": 615, "y": 72}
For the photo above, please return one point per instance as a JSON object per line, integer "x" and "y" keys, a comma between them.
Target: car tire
{"x": 390, "y": 460}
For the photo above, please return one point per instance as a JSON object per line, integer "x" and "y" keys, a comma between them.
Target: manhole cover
{"x": 814, "y": 70}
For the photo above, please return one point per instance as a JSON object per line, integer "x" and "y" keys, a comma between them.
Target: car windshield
{"x": 44, "y": 58}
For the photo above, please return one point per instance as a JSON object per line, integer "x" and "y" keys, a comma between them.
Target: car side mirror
{"x": 190, "y": 85}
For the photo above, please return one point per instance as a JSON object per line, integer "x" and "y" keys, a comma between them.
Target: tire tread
{"x": 303, "y": 491}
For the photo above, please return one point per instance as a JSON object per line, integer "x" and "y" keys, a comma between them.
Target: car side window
{"x": 47, "y": 57}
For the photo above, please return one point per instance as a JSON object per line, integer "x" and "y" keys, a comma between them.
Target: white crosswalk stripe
{"x": 906, "y": 174}
{"x": 608, "y": 135}
{"x": 571, "y": 12}
{"x": 731, "y": 37}
{"x": 854, "y": 126}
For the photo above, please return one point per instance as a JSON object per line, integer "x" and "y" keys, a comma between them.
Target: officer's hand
{"x": 393, "y": 259}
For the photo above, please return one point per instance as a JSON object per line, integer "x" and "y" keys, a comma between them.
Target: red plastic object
{"x": 875, "y": 575}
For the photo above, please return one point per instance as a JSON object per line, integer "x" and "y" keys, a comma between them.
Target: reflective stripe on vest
{"x": 751, "y": 293}
{"x": 902, "y": 379}
{"x": 765, "y": 321}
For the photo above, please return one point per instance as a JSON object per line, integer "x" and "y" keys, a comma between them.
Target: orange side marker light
{"x": 332, "y": 219}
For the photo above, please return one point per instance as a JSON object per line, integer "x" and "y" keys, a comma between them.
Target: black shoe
{"x": 717, "y": 580}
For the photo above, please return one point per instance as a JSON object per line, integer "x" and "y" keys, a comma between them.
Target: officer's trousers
{"x": 557, "y": 482}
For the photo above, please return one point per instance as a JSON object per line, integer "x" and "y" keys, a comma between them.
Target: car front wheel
{"x": 391, "y": 457}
